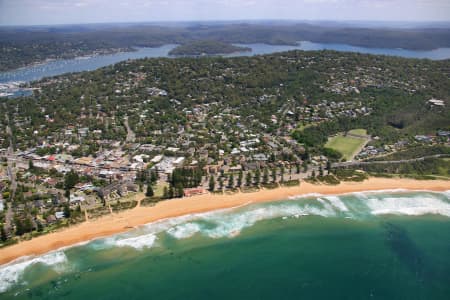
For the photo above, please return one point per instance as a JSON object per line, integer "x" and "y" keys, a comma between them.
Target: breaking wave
{"x": 229, "y": 223}
{"x": 413, "y": 206}
{"x": 138, "y": 242}
{"x": 184, "y": 231}
{"x": 12, "y": 273}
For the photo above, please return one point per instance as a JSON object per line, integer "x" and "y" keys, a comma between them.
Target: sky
{"x": 46, "y": 12}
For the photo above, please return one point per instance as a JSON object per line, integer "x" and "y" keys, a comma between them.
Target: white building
{"x": 178, "y": 162}
{"x": 157, "y": 159}
{"x": 436, "y": 102}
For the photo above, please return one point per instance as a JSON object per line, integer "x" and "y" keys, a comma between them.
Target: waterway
{"x": 89, "y": 63}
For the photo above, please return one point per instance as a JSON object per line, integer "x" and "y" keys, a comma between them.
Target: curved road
{"x": 381, "y": 162}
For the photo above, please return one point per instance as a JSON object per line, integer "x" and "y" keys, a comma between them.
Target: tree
{"x": 28, "y": 225}
{"x": 282, "y": 174}
{"x": 66, "y": 211}
{"x": 274, "y": 175}
{"x": 171, "y": 192}
{"x": 180, "y": 191}
{"x": 149, "y": 192}
{"x": 328, "y": 167}
{"x": 272, "y": 157}
{"x": 212, "y": 183}
{"x": 248, "y": 178}
{"x": 257, "y": 177}
{"x": 19, "y": 226}
{"x": 231, "y": 181}
{"x": 266, "y": 176}
{"x": 40, "y": 227}
{"x": 3, "y": 235}
{"x": 165, "y": 192}
{"x": 70, "y": 180}
{"x": 297, "y": 167}
{"x": 240, "y": 176}
{"x": 153, "y": 177}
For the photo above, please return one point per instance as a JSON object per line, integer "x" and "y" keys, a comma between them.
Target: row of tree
{"x": 255, "y": 178}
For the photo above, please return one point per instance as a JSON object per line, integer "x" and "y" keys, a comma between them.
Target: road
{"x": 12, "y": 177}
{"x": 131, "y": 136}
{"x": 383, "y": 162}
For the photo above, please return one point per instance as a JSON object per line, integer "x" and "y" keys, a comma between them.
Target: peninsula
{"x": 198, "y": 48}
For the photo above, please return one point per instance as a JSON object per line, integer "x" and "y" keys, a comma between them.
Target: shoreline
{"x": 91, "y": 54}
{"x": 128, "y": 220}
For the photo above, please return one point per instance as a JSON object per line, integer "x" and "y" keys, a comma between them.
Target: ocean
{"x": 373, "y": 245}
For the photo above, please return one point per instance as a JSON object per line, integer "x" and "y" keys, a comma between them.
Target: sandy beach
{"x": 124, "y": 221}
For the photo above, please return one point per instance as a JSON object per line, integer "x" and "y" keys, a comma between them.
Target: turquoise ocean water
{"x": 389, "y": 245}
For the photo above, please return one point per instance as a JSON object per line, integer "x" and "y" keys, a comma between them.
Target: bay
{"x": 58, "y": 67}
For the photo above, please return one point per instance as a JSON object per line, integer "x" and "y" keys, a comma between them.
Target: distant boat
{"x": 6, "y": 94}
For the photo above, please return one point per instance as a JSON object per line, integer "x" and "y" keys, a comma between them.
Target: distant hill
{"x": 207, "y": 47}
{"x": 20, "y": 46}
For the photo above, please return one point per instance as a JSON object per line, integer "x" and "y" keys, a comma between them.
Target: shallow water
{"x": 391, "y": 245}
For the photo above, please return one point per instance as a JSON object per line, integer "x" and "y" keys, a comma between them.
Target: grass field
{"x": 346, "y": 145}
{"x": 158, "y": 190}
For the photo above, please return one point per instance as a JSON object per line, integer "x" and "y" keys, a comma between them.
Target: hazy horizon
{"x": 184, "y": 23}
{"x": 65, "y": 12}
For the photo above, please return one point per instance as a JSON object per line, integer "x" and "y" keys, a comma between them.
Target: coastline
{"x": 88, "y": 54}
{"x": 127, "y": 220}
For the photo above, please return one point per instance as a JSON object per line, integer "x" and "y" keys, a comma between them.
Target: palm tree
{"x": 257, "y": 177}
{"x": 248, "y": 179}
{"x": 266, "y": 176}
{"x": 212, "y": 183}
{"x": 149, "y": 192}
{"x": 274, "y": 175}
{"x": 231, "y": 181}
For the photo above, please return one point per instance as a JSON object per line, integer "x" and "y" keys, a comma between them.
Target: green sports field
{"x": 346, "y": 145}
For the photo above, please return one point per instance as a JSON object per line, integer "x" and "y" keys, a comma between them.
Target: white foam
{"x": 413, "y": 206}
{"x": 337, "y": 203}
{"x": 138, "y": 242}
{"x": 11, "y": 274}
{"x": 229, "y": 225}
{"x": 325, "y": 204}
{"x": 385, "y": 191}
{"x": 184, "y": 231}
{"x": 447, "y": 194}
{"x": 309, "y": 195}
